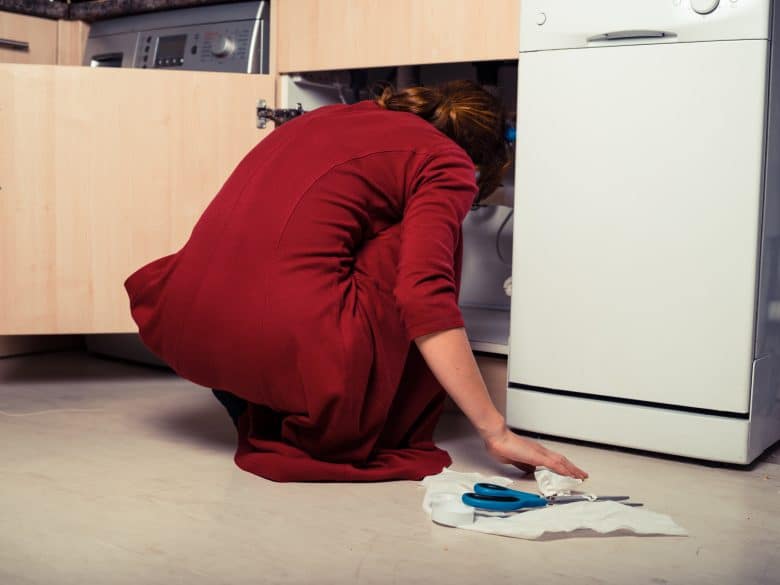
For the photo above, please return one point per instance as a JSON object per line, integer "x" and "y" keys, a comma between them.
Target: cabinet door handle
{"x": 14, "y": 45}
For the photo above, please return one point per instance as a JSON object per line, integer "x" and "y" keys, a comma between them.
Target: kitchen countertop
{"x": 43, "y": 8}
{"x": 91, "y": 10}
{"x": 100, "y": 9}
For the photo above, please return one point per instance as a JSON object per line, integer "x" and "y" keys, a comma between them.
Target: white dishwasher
{"x": 647, "y": 213}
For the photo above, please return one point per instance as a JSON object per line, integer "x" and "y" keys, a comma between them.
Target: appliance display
{"x": 170, "y": 51}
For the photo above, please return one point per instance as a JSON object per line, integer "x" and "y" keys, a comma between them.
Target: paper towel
{"x": 599, "y": 517}
{"x": 553, "y": 484}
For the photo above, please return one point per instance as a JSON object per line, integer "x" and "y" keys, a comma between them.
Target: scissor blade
{"x": 570, "y": 499}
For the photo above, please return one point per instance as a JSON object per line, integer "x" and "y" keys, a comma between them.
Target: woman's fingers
{"x": 577, "y": 472}
{"x": 560, "y": 464}
{"x": 526, "y": 454}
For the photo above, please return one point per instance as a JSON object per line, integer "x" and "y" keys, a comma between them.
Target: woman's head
{"x": 469, "y": 115}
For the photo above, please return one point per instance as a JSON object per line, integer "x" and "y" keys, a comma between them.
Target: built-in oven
{"x": 231, "y": 38}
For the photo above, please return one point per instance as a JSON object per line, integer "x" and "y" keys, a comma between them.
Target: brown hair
{"x": 469, "y": 115}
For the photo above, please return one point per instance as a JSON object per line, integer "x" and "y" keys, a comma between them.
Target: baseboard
{"x": 12, "y": 345}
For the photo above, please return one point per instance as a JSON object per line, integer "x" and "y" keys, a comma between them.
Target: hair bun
{"x": 446, "y": 111}
{"x": 385, "y": 95}
{"x": 465, "y": 112}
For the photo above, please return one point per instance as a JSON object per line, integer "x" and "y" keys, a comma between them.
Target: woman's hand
{"x": 507, "y": 447}
{"x": 451, "y": 360}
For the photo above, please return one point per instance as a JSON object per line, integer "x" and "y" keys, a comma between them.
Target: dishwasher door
{"x": 636, "y": 227}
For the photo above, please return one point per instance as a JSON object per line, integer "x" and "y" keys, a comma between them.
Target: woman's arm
{"x": 448, "y": 355}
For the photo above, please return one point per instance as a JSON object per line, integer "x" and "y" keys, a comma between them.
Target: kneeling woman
{"x": 318, "y": 291}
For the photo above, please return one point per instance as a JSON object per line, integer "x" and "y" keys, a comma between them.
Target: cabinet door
{"x": 71, "y": 41}
{"x": 102, "y": 171}
{"x": 636, "y": 224}
{"x": 339, "y": 34}
{"x": 27, "y": 39}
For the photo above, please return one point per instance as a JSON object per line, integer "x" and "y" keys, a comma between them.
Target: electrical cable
{"x": 498, "y": 238}
{"x": 340, "y": 89}
{"x": 300, "y": 80}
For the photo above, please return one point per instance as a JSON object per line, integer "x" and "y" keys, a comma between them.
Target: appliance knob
{"x": 223, "y": 47}
{"x": 704, "y": 6}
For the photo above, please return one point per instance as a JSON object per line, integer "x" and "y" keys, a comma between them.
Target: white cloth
{"x": 553, "y": 484}
{"x": 600, "y": 517}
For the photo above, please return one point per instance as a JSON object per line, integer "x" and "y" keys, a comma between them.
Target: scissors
{"x": 489, "y": 496}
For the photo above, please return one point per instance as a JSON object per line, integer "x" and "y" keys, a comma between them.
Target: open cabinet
{"x": 101, "y": 171}
{"x": 106, "y": 169}
{"x": 487, "y": 230}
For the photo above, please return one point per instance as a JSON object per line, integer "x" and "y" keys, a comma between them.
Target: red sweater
{"x": 333, "y": 244}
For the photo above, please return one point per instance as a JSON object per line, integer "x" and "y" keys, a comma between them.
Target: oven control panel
{"x": 223, "y": 47}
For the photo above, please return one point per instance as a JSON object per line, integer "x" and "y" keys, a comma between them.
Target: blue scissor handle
{"x": 495, "y": 497}
{"x": 499, "y": 503}
{"x": 492, "y": 489}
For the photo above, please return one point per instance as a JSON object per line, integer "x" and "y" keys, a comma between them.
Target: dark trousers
{"x": 232, "y": 403}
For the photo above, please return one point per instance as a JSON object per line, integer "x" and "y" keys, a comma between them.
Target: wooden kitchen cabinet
{"x": 71, "y": 41}
{"x": 101, "y": 171}
{"x": 39, "y": 41}
{"x": 318, "y": 35}
{"x": 27, "y": 39}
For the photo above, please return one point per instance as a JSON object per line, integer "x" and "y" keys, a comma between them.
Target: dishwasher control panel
{"x": 562, "y": 24}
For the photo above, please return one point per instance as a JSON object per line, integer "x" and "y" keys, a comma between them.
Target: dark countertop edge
{"x": 42, "y": 8}
{"x": 97, "y": 9}
{"x": 102, "y": 9}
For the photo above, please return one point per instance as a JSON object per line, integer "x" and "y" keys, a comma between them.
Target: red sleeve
{"x": 440, "y": 196}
